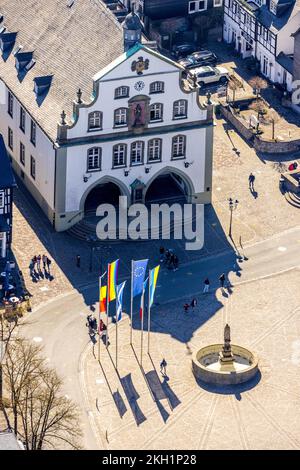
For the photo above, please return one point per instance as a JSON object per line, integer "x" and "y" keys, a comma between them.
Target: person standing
{"x": 186, "y": 307}
{"x": 251, "y": 181}
{"x": 194, "y": 304}
{"x": 163, "y": 367}
{"x": 78, "y": 261}
{"x": 39, "y": 259}
{"x": 44, "y": 259}
{"x": 34, "y": 261}
{"x": 48, "y": 262}
{"x": 206, "y": 286}
{"x": 161, "y": 254}
{"x": 222, "y": 281}
{"x": 175, "y": 262}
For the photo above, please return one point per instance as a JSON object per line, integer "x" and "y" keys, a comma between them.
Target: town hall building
{"x": 89, "y": 112}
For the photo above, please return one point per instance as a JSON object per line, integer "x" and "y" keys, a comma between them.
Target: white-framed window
{"x": 95, "y": 121}
{"x": 197, "y": 5}
{"x": 156, "y": 112}
{"x": 157, "y": 87}
{"x": 120, "y": 118}
{"x": 32, "y": 167}
{"x": 22, "y": 119}
{"x": 10, "y": 104}
{"x": 33, "y": 132}
{"x": 137, "y": 153}
{"x": 122, "y": 92}
{"x": 154, "y": 150}
{"x": 180, "y": 109}
{"x": 218, "y": 3}
{"x": 22, "y": 153}
{"x": 119, "y": 155}
{"x": 10, "y": 139}
{"x": 2, "y": 199}
{"x": 94, "y": 159}
{"x": 178, "y": 147}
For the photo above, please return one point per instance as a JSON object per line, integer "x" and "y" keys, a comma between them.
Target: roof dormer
{"x": 7, "y": 40}
{"x": 23, "y": 59}
{"x": 42, "y": 84}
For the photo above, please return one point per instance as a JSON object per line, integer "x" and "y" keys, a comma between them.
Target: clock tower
{"x": 132, "y": 30}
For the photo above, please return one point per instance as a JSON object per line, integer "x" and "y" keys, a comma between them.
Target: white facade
{"x": 243, "y": 29}
{"x": 43, "y": 152}
{"x": 62, "y": 179}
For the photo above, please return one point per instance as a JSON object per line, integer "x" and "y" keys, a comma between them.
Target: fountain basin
{"x": 207, "y": 366}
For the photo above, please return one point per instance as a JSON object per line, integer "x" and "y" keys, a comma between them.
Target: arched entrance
{"x": 106, "y": 193}
{"x": 168, "y": 186}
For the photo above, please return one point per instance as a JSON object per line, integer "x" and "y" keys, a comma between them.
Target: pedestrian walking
{"x": 251, "y": 181}
{"x": 48, "y": 262}
{"x": 222, "y": 281}
{"x": 44, "y": 259}
{"x": 163, "y": 367}
{"x": 94, "y": 324}
{"x": 186, "y": 307}
{"x": 206, "y": 285}
{"x": 194, "y": 303}
{"x": 167, "y": 257}
{"x": 161, "y": 254}
{"x": 38, "y": 262}
{"x": 175, "y": 262}
{"x": 78, "y": 261}
{"x": 34, "y": 261}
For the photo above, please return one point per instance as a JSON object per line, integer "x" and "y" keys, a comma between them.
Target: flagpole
{"x": 142, "y": 326}
{"x": 131, "y": 302}
{"x": 100, "y": 285}
{"x": 149, "y": 311}
{"x": 117, "y": 334}
{"x": 107, "y": 303}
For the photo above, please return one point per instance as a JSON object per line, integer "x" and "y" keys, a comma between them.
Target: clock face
{"x": 139, "y": 85}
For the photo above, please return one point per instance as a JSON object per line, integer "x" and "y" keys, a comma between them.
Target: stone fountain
{"x": 224, "y": 364}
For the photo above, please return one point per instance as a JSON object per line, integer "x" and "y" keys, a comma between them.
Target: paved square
{"x": 138, "y": 409}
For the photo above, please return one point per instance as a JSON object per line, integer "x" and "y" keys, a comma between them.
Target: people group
{"x": 169, "y": 258}
{"x": 36, "y": 269}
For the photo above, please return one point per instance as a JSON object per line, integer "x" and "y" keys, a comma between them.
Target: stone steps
{"x": 292, "y": 198}
{"x": 86, "y": 228}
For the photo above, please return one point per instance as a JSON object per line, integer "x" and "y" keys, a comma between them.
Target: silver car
{"x": 206, "y": 75}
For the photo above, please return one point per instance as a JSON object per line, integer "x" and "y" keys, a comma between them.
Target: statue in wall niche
{"x": 138, "y": 116}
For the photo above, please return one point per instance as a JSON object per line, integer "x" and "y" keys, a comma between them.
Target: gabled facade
{"x": 7, "y": 183}
{"x": 118, "y": 113}
{"x": 263, "y": 29}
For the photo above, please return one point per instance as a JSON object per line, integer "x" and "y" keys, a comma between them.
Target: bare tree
{"x": 22, "y": 365}
{"x": 258, "y": 84}
{"x": 8, "y": 323}
{"x": 273, "y": 118}
{"x": 233, "y": 86}
{"x": 47, "y": 418}
{"x": 260, "y": 108}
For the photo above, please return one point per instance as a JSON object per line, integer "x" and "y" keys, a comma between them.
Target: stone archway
{"x": 107, "y": 190}
{"x": 169, "y": 185}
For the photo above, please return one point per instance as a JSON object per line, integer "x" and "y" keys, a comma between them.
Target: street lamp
{"x": 232, "y": 206}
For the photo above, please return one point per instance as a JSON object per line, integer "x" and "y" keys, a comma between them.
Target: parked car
{"x": 198, "y": 59}
{"x": 182, "y": 50}
{"x": 206, "y": 75}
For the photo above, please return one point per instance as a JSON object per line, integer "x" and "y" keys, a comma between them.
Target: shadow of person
{"x": 254, "y": 193}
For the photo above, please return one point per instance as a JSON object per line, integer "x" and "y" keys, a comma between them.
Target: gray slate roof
{"x": 286, "y": 61}
{"x": 72, "y": 44}
{"x": 274, "y": 22}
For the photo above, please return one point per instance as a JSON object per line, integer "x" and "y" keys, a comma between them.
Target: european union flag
{"x": 138, "y": 275}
